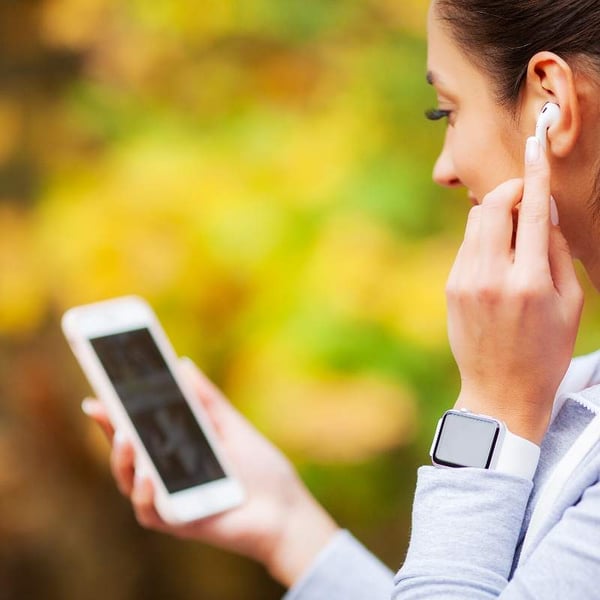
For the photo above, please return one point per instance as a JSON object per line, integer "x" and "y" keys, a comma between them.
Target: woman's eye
{"x": 435, "y": 114}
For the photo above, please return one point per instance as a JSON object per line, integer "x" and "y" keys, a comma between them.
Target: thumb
{"x": 95, "y": 410}
{"x": 216, "y": 406}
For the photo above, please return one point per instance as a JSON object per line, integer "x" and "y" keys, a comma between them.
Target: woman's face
{"x": 483, "y": 146}
{"x": 485, "y": 142}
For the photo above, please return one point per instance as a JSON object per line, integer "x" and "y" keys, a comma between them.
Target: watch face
{"x": 466, "y": 441}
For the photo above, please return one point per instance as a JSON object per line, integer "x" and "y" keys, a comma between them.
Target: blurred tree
{"x": 261, "y": 173}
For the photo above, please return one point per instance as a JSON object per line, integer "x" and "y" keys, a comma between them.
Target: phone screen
{"x": 159, "y": 412}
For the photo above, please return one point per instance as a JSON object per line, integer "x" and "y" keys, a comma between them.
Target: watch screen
{"x": 158, "y": 410}
{"x": 466, "y": 441}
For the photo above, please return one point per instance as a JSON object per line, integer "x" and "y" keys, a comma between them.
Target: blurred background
{"x": 260, "y": 172}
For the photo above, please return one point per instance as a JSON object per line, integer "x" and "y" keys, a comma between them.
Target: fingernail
{"x": 553, "y": 211}
{"x": 188, "y": 364}
{"x": 532, "y": 150}
{"x": 87, "y": 407}
{"x": 118, "y": 439}
{"x": 140, "y": 476}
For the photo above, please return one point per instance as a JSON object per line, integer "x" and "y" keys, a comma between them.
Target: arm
{"x": 344, "y": 570}
{"x": 465, "y": 531}
{"x": 513, "y": 311}
{"x": 514, "y": 303}
{"x": 280, "y": 524}
{"x": 465, "y": 528}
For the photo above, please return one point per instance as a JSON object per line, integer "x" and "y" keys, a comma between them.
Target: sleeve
{"x": 465, "y": 529}
{"x": 344, "y": 570}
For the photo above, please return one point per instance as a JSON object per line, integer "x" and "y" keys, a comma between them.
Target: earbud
{"x": 549, "y": 115}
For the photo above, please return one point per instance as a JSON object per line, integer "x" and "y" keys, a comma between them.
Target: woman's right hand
{"x": 514, "y": 303}
{"x": 279, "y": 524}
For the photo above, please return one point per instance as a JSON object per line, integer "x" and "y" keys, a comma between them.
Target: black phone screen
{"x": 159, "y": 412}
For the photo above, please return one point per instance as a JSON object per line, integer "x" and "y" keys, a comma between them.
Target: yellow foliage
{"x": 364, "y": 272}
{"x": 318, "y": 416}
{"x": 409, "y": 15}
{"x": 74, "y": 24}
{"x": 22, "y": 298}
{"x": 339, "y": 420}
{"x": 188, "y": 18}
{"x": 11, "y": 126}
{"x": 417, "y": 303}
{"x": 319, "y": 154}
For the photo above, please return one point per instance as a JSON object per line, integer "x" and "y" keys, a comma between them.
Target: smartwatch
{"x": 466, "y": 439}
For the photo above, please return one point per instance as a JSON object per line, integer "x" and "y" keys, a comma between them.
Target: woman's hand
{"x": 514, "y": 304}
{"x": 280, "y": 524}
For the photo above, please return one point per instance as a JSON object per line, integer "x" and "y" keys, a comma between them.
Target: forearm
{"x": 344, "y": 570}
{"x": 466, "y": 524}
{"x": 305, "y": 532}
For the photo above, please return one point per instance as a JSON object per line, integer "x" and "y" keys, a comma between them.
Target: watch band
{"x": 466, "y": 439}
{"x": 517, "y": 456}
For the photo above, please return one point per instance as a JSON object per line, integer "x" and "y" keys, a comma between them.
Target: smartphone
{"x": 133, "y": 370}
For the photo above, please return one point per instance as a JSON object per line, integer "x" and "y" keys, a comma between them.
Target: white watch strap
{"x": 516, "y": 456}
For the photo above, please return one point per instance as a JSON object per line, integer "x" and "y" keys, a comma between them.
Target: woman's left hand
{"x": 514, "y": 304}
{"x": 279, "y": 524}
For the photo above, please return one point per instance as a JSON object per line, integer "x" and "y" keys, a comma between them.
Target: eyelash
{"x": 436, "y": 114}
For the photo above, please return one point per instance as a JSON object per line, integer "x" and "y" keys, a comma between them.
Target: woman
{"x": 514, "y": 306}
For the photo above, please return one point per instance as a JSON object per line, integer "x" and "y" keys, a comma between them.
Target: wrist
{"x": 307, "y": 529}
{"x": 530, "y": 422}
{"x": 467, "y": 439}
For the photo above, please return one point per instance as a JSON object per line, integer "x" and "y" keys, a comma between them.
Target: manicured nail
{"x": 140, "y": 476}
{"x": 118, "y": 439}
{"x": 87, "y": 406}
{"x": 553, "y": 211}
{"x": 532, "y": 150}
{"x": 188, "y": 364}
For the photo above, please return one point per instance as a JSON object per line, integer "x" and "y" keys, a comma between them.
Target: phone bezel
{"x": 118, "y": 315}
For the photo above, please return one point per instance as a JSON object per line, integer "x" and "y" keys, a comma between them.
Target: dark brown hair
{"x": 501, "y": 36}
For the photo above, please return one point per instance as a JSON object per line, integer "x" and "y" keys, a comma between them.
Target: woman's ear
{"x": 551, "y": 79}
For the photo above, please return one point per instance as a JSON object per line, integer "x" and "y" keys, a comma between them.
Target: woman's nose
{"x": 444, "y": 173}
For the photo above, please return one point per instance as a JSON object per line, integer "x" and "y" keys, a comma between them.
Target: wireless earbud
{"x": 549, "y": 115}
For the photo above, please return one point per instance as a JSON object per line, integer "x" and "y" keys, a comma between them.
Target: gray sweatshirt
{"x": 468, "y": 526}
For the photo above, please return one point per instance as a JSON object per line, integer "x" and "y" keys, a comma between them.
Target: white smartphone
{"x": 133, "y": 369}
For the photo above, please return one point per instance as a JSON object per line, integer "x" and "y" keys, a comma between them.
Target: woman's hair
{"x": 501, "y": 36}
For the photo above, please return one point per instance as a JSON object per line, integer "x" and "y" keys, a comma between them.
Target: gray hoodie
{"x": 468, "y": 527}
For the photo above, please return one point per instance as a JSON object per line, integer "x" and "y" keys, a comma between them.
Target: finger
{"x": 203, "y": 385}
{"x": 467, "y": 260}
{"x": 96, "y": 411}
{"x": 497, "y": 223}
{"x": 122, "y": 464}
{"x": 213, "y": 401}
{"x": 458, "y": 266}
{"x": 562, "y": 267}
{"x": 142, "y": 499}
{"x": 533, "y": 231}
{"x": 454, "y": 271}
